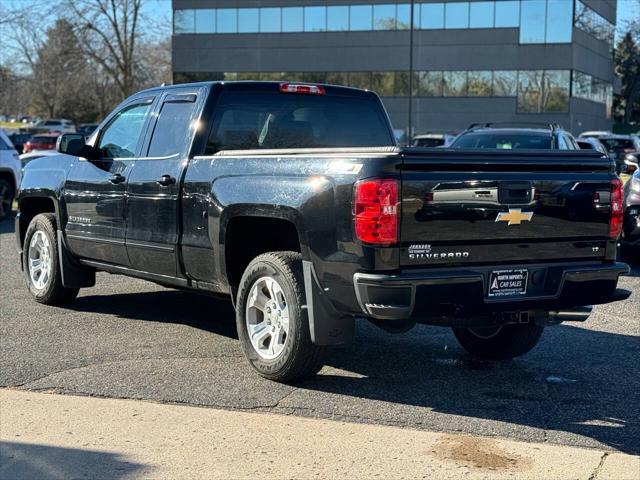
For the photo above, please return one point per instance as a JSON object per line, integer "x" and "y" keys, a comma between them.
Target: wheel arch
{"x": 247, "y": 232}
{"x": 28, "y": 207}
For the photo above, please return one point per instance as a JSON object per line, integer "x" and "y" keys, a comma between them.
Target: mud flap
{"x": 326, "y": 325}
{"x": 73, "y": 275}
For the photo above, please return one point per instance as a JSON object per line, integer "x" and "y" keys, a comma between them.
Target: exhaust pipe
{"x": 576, "y": 314}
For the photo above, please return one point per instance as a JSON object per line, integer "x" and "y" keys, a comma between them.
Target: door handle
{"x": 166, "y": 180}
{"x": 116, "y": 178}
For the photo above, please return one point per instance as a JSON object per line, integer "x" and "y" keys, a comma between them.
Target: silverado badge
{"x": 514, "y": 216}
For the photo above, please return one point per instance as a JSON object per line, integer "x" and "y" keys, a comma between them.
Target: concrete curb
{"x": 59, "y": 436}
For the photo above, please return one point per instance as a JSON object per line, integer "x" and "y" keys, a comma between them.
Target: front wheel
{"x": 272, "y": 322}
{"x": 499, "y": 342}
{"x": 41, "y": 262}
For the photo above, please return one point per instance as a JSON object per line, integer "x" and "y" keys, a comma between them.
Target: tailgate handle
{"x": 515, "y": 192}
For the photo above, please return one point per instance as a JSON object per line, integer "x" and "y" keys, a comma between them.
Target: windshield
{"x": 247, "y": 120}
{"x": 508, "y": 141}
{"x": 428, "y": 142}
{"x": 616, "y": 144}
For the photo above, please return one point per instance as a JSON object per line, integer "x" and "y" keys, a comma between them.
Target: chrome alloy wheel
{"x": 40, "y": 261}
{"x": 267, "y": 318}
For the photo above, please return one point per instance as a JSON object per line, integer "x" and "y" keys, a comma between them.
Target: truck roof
{"x": 259, "y": 85}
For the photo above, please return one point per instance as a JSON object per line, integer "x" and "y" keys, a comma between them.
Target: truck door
{"x": 95, "y": 189}
{"x": 153, "y": 190}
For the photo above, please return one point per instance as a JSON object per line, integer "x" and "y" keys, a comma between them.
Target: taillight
{"x": 615, "y": 223}
{"x": 308, "y": 89}
{"x": 376, "y": 211}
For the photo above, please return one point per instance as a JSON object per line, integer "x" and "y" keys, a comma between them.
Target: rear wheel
{"x": 499, "y": 342}
{"x": 273, "y": 326}
{"x": 41, "y": 262}
{"x": 6, "y": 198}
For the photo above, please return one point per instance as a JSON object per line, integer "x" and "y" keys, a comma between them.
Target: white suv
{"x": 57, "y": 125}
{"x": 10, "y": 174}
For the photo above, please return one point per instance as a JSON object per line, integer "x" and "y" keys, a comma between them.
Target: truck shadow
{"x": 165, "y": 306}
{"x": 28, "y": 461}
{"x": 577, "y": 382}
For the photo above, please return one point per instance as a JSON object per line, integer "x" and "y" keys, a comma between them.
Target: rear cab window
{"x": 252, "y": 118}
{"x": 503, "y": 141}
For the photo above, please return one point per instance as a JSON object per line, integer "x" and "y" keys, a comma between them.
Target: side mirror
{"x": 70, "y": 143}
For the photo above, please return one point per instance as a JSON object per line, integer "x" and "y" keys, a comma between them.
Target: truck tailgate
{"x": 471, "y": 207}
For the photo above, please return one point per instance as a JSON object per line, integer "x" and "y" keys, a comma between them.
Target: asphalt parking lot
{"x": 126, "y": 338}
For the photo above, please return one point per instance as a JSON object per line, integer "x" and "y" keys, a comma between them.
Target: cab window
{"x": 121, "y": 136}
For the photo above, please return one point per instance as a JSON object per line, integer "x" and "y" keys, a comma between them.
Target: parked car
{"x": 433, "y": 139}
{"x": 515, "y": 136}
{"x": 595, "y": 134}
{"x": 591, "y": 143}
{"x": 631, "y": 222}
{"x": 57, "y": 125}
{"x": 295, "y": 200}
{"x": 18, "y": 139}
{"x": 624, "y": 149}
{"x": 87, "y": 129}
{"x": 10, "y": 174}
{"x": 43, "y": 141}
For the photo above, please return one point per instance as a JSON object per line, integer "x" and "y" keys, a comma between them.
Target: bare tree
{"x": 109, "y": 31}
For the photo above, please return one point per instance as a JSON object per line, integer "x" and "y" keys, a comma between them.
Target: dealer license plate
{"x": 505, "y": 283}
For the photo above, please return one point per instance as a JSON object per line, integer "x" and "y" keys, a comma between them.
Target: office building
{"x": 444, "y": 63}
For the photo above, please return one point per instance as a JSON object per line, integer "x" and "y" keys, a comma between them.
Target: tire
{"x": 40, "y": 242}
{"x": 499, "y": 343}
{"x": 284, "y": 353}
{"x": 6, "y": 198}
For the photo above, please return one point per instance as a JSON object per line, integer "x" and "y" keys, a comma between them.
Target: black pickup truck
{"x": 294, "y": 200}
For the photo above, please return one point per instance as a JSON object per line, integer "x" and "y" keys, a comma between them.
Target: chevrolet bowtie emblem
{"x": 514, "y": 216}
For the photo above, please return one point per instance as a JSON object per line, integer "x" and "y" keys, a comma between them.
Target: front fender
{"x": 42, "y": 181}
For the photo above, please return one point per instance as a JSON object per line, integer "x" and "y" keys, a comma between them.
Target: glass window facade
{"x": 454, "y": 84}
{"x": 205, "y": 20}
{"x": 315, "y": 19}
{"x": 292, "y": 19}
{"x": 338, "y": 19}
{"x": 536, "y": 91}
{"x": 507, "y": 14}
{"x": 270, "y": 20}
{"x": 479, "y": 84}
{"x": 591, "y": 22}
{"x": 248, "y": 20}
{"x": 543, "y": 91}
{"x": 360, "y": 17}
{"x": 227, "y": 20}
{"x": 481, "y": 14}
{"x": 505, "y": 83}
{"x": 384, "y": 17}
{"x": 588, "y": 87}
{"x": 456, "y": 15}
{"x": 539, "y": 21}
{"x": 431, "y": 16}
{"x": 532, "y": 21}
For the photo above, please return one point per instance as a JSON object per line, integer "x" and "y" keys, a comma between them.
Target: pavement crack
{"x": 114, "y": 362}
{"x": 277, "y": 404}
{"x": 597, "y": 470}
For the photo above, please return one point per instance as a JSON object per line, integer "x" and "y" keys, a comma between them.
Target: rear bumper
{"x": 438, "y": 296}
